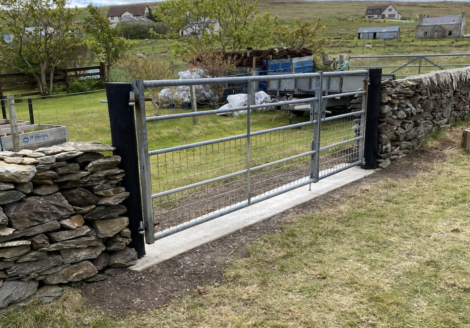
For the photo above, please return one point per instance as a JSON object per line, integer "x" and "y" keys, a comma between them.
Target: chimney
{"x": 420, "y": 17}
{"x": 463, "y": 14}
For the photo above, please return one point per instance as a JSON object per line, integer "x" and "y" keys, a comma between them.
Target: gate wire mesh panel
{"x": 337, "y": 150}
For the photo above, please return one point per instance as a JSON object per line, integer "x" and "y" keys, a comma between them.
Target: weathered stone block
{"x": 82, "y": 242}
{"x": 80, "y": 197}
{"x": 110, "y": 227}
{"x": 39, "y": 241}
{"x": 101, "y": 261}
{"x": 113, "y": 200}
{"x": 25, "y": 188}
{"x": 123, "y": 259}
{"x": 14, "y": 291}
{"x": 105, "y": 212}
{"x": 11, "y": 252}
{"x": 103, "y": 164}
{"x": 50, "y": 226}
{"x": 44, "y": 190}
{"x": 81, "y": 254}
{"x": 73, "y": 222}
{"x": 27, "y": 268}
{"x": 117, "y": 243}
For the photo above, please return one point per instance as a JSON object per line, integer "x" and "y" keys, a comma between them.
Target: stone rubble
{"x": 61, "y": 220}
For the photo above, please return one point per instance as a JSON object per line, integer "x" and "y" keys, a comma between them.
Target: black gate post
{"x": 31, "y": 114}
{"x": 4, "y": 110}
{"x": 371, "y": 141}
{"x": 123, "y": 134}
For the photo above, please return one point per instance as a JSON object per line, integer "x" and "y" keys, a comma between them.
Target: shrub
{"x": 86, "y": 84}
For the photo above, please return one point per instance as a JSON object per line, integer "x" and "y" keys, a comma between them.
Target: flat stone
{"x": 385, "y": 163}
{"x": 10, "y": 196}
{"x": 44, "y": 295}
{"x": 15, "y": 243}
{"x": 46, "y": 160}
{"x": 73, "y": 222}
{"x": 106, "y": 212}
{"x": 37, "y": 210}
{"x": 15, "y": 291}
{"x": 72, "y": 177}
{"x": 50, "y": 150}
{"x": 82, "y": 242}
{"x": 42, "y": 168}
{"x": 69, "y": 184}
{"x": 46, "y": 175}
{"x": 6, "y": 264}
{"x": 104, "y": 185}
{"x": 69, "y": 168}
{"x": 29, "y": 161}
{"x": 80, "y": 197}
{"x": 5, "y": 153}
{"x": 43, "y": 182}
{"x": 110, "y": 227}
{"x": 6, "y": 186}
{"x": 117, "y": 243}
{"x": 16, "y": 173}
{"x": 6, "y": 231}
{"x": 101, "y": 261}
{"x": 80, "y": 271}
{"x": 126, "y": 233}
{"x": 67, "y": 155}
{"x": 11, "y": 252}
{"x": 25, "y": 151}
{"x": 13, "y": 160}
{"x": 115, "y": 182}
{"x": 88, "y": 157}
{"x": 32, "y": 256}
{"x": 44, "y": 190}
{"x": 16, "y": 154}
{"x": 69, "y": 234}
{"x": 3, "y": 218}
{"x": 97, "y": 277}
{"x": 89, "y": 147}
{"x": 54, "y": 269}
{"x": 39, "y": 241}
{"x": 35, "y": 154}
{"x": 27, "y": 268}
{"x": 111, "y": 191}
{"x": 123, "y": 258}
{"x": 3, "y": 275}
{"x": 100, "y": 175}
{"x": 103, "y": 164}
{"x": 83, "y": 210}
{"x": 50, "y": 226}
{"x": 55, "y": 278}
{"x": 114, "y": 200}
{"x": 25, "y": 188}
{"x": 81, "y": 254}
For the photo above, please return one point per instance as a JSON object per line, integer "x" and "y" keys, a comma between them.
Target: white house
{"x": 116, "y": 13}
{"x": 382, "y": 12}
{"x": 195, "y": 29}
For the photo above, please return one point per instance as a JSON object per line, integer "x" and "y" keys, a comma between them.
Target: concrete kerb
{"x": 174, "y": 245}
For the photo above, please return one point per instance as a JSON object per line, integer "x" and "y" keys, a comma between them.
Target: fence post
{"x": 4, "y": 110}
{"x": 192, "y": 88}
{"x": 123, "y": 134}
{"x": 31, "y": 114}
{"x": 103, "y": 71}
{"x": 371, "y": 141}
{"x": 15, "y": 138}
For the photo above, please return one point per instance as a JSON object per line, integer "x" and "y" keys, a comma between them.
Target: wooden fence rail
{"x": 22, "y": 81}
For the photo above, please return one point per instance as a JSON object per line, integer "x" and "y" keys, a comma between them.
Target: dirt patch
{"x": 126, "y": 290}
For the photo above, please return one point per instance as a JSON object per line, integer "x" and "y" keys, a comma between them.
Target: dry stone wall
{"x": 61, "y": 220}
{"x": 415, "y": 107}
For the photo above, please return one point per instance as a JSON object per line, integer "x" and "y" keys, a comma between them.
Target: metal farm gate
{"x": 189, "y": 184}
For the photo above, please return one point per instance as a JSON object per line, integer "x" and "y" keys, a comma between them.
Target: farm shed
{"x": 449, "y": 26}
{"x": 372, "y": 33}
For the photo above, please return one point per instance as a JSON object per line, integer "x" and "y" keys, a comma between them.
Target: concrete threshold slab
{"x": 181, "y": 242}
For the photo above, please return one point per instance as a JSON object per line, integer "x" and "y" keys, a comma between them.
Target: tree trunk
{"x": 43, "y": 80}
{"x": 51, "y": 82}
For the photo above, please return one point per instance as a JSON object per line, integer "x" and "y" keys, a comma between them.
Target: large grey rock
{"x": 50, "y": 226}
{"x": 89, "y": 147}
{"x": 82, "y": 242}
{"x": 32, "y": 256}
{"x": 54, "y": 269}
{"x": 3, "y": 218}
{"x": 88, "y": 157}
{"x": 46, "y": 160}
{"x": 69, "y": 234}
{"x": 6, "y": 264}
{"x": 14, "y": 291}
{"x": 11, "y": 252}
{"x": 126, "y": 233}
{"x": 80, "y": 197}
{"x": 35, "y": 154}
{"x": 25, "y": 188}
{"x": 6, "y": 186}
{"x": 76, "y": 272}
{"x": 73, "y": 222}
{"x": 117, "y": 243}
{"x": 29, "y": 161}
{"x": 113, "y": 200}
{"x": 111, "y": 191}
{"x": 27, "y": 268}
{"x": 67, "y": 155}
{"x": 50, "y": 150}
{"x": 105, "y": 212}
{"x": 81, "y": 254}
{"x": 37, "y": 210}
{"x": 101, "y": 261}
{"x": 46, "y": 175}
{"x": 72, "y": 176}
{"x": 103, "y": 164}
{"x": 44, "y": 295}
{"x": 44, "y": 190}
{"x": 123, "y": 259}
{"x": 110, "y": 227}
{"x": 39, "y": 241}
{"x": 10, "y": 196}
{"x": 69, "y": 168}
{"x": 13, "y": 160}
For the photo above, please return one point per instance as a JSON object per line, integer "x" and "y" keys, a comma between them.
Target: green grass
{"x": 384, "y": 256}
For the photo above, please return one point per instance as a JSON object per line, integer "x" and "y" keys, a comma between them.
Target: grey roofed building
{"x": 448, "y": 26}
{"x": 372, "y": 33}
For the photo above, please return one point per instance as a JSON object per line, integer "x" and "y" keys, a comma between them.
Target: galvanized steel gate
{"x": 189, "y": 184}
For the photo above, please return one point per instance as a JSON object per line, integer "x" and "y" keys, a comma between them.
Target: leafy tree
{"x": 107, "y": 45}
{"x": 141, "y": 30}
{"x": 151, "y": 16}
{"x": 215, "y": 24}
{"x": 42, "y": 37}
{"x": 304, "y": 34}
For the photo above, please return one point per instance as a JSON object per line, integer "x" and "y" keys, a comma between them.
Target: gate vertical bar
{"x": 315, "y": 165}
{"x": 4, "y": 110}
{"x": 144, "y": 161}
{"x": 121, "y": 117}
{"x": 362, "y": 119}
{"x": 248, "y": 142}
{"x": 372, "y": 119}
{"x": 31, "y": 113}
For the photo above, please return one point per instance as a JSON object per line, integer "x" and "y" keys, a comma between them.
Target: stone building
{"x": 441, "y": 27}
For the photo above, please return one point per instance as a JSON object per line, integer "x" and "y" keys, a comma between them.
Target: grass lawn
{"x": 393, "y": 254}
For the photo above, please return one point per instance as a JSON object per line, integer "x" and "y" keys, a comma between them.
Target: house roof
{"x": 128, "y": 19}
{"x": 379, "y": 29}
{"x": 441, "y": 20}
{"x": 136, "y": 10}
{"x": 381, "y": 7}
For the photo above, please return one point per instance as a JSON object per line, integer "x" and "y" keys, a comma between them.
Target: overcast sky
{"x": 83, "y": 3}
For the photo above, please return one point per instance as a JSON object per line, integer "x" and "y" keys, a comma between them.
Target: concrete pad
{"x": 173, "y": 245}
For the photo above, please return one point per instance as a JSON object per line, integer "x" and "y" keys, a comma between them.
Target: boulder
{"x": 101, "y": 261}
{"x": 84, "y": 210}
{"x": 103, "y": 164}
{"x": 6, "y": 264}
{"x": 110, "y": 227}
{"x": 6, "y": 186}
{"x": 14, "y": 291}
{"x": 80, "y": 271}
{"x": 114, "y": 200}
{"x": 44, "y": 295}
{"x": 59, "y": 236}
{"x": 123, "y": 258}
{"x": 105, "y": 212}
{"x": 80, "y": 197}
{"x": 35, "y": 210}
{"x": 44, "y": 190}
{"x": 126, "y": 233}
{"x": 80, "y": 254}
{"x": 50, "y": 150}
{"x": 10, "y": 196}
{"x": 13, "y": 160}
{"x": 27, "y": 268}
{"x": 46, "y": 175}
{"x": 73, "y": 222}
{"x": 25, "y": 188}
{"x": 30, "y": 161}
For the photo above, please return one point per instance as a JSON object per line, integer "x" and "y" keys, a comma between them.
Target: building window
{"x": 389, "y": 9}
{"x": 425, "y": 33}
{"x": 112, "y": 17}
{"x": 391, "y": 15}
{"x": 450, "y": 33}
{"x": 378, "y": 11}
{"x": 369, "y": 11}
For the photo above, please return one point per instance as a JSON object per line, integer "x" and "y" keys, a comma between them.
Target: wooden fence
{"x": 23, "y": 81}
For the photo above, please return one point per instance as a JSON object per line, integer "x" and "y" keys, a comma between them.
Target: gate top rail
{"x": 409, "y": 56}
{"x": 216, "y": 80}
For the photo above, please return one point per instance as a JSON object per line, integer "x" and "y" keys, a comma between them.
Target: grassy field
{"x": 394, "y": 254}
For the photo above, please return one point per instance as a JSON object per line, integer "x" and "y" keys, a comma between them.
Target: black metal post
{"x": 371, "y": 141}
{"x": 31, "y": 114}
{"x": 4, "y": 109}
{"x": 123, "y": 134}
